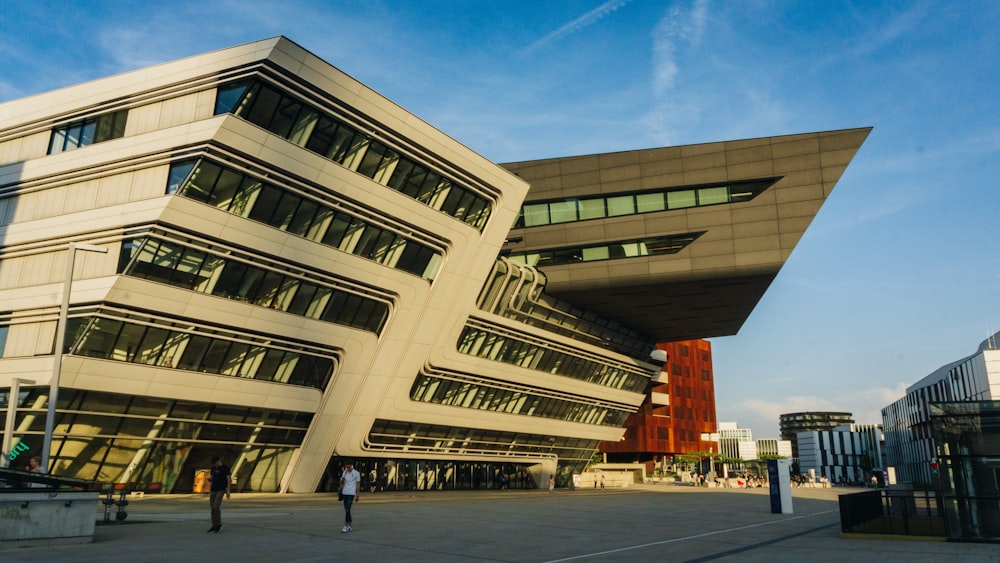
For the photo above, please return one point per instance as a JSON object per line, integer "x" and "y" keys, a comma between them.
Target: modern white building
{"x": 736, "y": 442}
{"x": 849, "y": 453}
{"x": 296, "y": 270}
{"x": 909, "y": 440}
{"x": 773, "y": 447}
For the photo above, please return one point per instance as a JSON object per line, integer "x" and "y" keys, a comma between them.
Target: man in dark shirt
{"x": 221, "y": 479}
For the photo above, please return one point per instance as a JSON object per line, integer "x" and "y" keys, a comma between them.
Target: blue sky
{"x": 898, "y": 274}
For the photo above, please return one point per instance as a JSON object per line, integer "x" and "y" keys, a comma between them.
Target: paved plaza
{"x": 641, "y": 523}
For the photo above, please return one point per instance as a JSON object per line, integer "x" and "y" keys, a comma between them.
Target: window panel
{"x": 179, "y": 172}
{"x": 228, "y": 96}
{"x": 710, "y": 196}
{"x": 262, "y": 103}
{"x": 194, "y": 352}
{"x": 202, "y": 181}
{"x": 536, "y": 214}
{"x": 563, "y": 211}
{"x": 99, "y": 339}
{"x": 149, "y": 349}
{"x": 646, "y": 203}
{"x": 128, "y": 342}
{"x": 621, "y": 205}
{"x": 681, "y": 199}
{"x": 225, "y": 189}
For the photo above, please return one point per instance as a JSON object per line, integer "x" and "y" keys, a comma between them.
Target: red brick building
{"x": 675, "y": 414}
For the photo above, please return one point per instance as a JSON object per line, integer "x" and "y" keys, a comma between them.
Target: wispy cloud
{"x": 882, "y": 35}
{"x": 579, "y": 23}
{"x": 678, "y": 27}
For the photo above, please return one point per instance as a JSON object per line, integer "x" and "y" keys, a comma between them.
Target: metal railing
{"x": 895, "y": 512}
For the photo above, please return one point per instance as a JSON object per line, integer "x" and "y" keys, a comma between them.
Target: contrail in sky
{"x": 579, "y": 23}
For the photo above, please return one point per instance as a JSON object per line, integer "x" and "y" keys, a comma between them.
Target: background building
{"x": 910, "y": 446}
{"x": 678, "y": 410}
{"x": 790, "y": 424}
{"x": 771, "y": 447}
{"x": 736, "y": 442}
{"x": 850, "y": 453}
{"x": 294, "y": 270}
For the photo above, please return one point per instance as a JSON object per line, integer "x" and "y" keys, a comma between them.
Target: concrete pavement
{"x": 648, "y": 523}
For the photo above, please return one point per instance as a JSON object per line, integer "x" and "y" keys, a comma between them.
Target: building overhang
{"x": 730, "y": 251}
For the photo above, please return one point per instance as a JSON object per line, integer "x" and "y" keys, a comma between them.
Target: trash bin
{"x": 201, "y": 484}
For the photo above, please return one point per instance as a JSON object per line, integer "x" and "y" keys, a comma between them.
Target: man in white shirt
{"x": 350, "y": 491}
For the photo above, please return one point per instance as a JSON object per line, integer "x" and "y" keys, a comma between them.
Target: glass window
{"x": 563, "y": 211}
{"x": 283, "y": 213}
{"x": 88, "y": 131}
{"x": 179, "y": 172}
{"x": 536, "y": 214}
{"x": 681, "y": 199}
{"x": 228, "y": 96}
{"x": 303, "y": 217}
{"x": 595, "y": 253}
{"x": 128, "y": 342}
{"x": 285, "y": 116}
{"x": 303, "y": 126}
{"x": 646, "y": 203}
{"x": 199, "y": 186}
{"x": 593, "y": 208}
{"x": 711, "y": 196}
{"x": 262, "y": 104}
{"x": 266, "y": 203}
{"x": 194, "y": 352}
{"x": 225, "y": 188}
{"x": 216, "y": 356}
{"x": 621, "y": 205}
{"x": 151, "y": 346}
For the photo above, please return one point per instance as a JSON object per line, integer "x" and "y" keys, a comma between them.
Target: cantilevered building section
{"x": 299, "y": 271}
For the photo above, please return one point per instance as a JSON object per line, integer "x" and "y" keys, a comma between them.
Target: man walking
{"x": 350, "y": 491}
{"x": 221, "y": 479}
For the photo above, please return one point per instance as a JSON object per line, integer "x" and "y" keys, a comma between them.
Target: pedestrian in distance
{"x": 350, "y": 491}
{"x": 221, "y": 479}
{"x": 552, "y": 483}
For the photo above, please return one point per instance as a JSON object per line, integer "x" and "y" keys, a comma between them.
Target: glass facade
{"x": 445, "y": 441}
{"x": 567, "y": 210}
{"x": 88, "y": 131}
{"x": 968, "y": 447}
{"x": 400, "y": 474}
{"x": 492, "y": 345}
{"x": 111, "y": 335}
{"x": 158, "y": 444}
{"x": 607, "y": 251}
{"x": 477, "y": 393}
{"x": 248, "y": 196}
{"x": 333, "y": 138}
{"x": 248, "y": 279}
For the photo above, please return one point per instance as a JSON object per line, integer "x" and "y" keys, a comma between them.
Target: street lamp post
{"x": 50, "y": 418}
{"x": 15, "y": 385}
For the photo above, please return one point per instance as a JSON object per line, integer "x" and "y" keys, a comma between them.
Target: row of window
{"x": 88, "y": 131}
{"x": 326, "y": 135}
{"x": 413, "y": 436}
{"x": 475, "y": 394}
{"x": 514, "y": 290}
{"x": 670, "y": 244}
{"x": 180, "y": 265}
{"x": 487, "y": 344}
{"x": 569, "y": 210}
{"x": 165, "y": 346}
{"x": 247, "y": 196}
{"x": 157, "y": 444}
